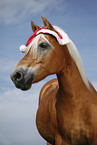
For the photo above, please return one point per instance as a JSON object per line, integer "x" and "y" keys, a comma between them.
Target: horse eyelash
{"x": 44, "y": 45}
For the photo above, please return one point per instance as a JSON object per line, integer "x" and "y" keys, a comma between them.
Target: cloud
{"x": 15, "y": 11}
{"x": 17, "y": 116}
{"x": 6, "y": 66}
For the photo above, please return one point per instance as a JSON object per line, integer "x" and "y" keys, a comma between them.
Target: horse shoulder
{"x": 47, "y": 88}
{"x": 44, "y": 117}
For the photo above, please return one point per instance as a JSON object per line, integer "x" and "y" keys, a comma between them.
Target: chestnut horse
{"x": 67, "y": 112}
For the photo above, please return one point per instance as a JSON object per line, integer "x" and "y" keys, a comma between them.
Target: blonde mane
{"x": 77, "y": 59}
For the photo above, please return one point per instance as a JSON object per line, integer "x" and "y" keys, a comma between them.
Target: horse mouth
{"x": 24, "y": 86}
{"x": 22, "y": 79}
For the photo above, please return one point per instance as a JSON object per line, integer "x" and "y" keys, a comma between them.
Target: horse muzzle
{"x": 22, "y": 78}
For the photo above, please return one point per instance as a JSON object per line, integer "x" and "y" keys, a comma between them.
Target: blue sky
{"x": 79, "y": 21}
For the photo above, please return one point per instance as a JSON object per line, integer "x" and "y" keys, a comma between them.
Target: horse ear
{"x": 47, "y": 24}
{"x": 34, "y": 26}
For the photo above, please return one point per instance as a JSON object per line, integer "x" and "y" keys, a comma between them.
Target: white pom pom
{"x": 23, "y": 48}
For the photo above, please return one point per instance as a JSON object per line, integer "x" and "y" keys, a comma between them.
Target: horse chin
{"x": 23, "y": 87}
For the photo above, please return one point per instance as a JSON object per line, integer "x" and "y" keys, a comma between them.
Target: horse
{"x": 67, "y": 111}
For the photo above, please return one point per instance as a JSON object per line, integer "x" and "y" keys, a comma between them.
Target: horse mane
{"x": 78, "y": 61}
{"x": 76, "y": 57}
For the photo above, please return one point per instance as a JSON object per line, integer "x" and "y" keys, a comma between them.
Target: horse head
{"x": 43, "y": 56}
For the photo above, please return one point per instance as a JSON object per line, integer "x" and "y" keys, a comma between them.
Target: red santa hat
{"x": 59, "y": 34}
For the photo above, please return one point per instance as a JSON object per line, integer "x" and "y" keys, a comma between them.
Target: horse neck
{"x": 70, "y": 81}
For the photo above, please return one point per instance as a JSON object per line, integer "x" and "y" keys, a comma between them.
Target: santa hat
{"x": 59, "y": 34}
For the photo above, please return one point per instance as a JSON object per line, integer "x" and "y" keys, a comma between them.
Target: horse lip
{"x": 26, "y": 85}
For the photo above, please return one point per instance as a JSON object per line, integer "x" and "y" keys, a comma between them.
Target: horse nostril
{"x": 18, "y": 76}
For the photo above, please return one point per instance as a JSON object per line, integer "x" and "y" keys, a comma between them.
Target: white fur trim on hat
{"x": 63, "y": 41}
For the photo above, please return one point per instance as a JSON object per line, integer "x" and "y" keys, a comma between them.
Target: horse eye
{"x": 43, "y": 45}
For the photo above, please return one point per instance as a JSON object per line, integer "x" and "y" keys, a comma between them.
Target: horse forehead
{"x": 39, "y": 38}
{"x": 33, "y": 46}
